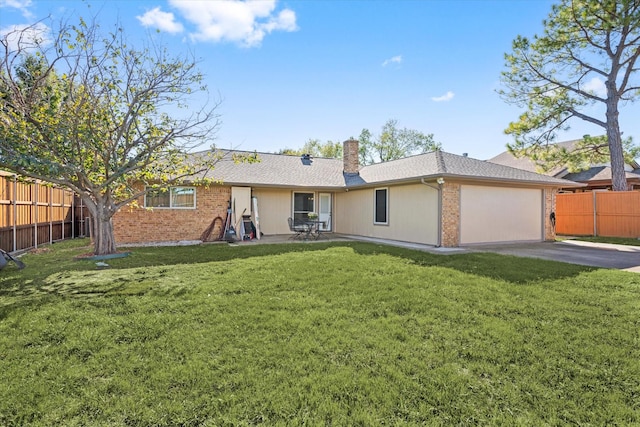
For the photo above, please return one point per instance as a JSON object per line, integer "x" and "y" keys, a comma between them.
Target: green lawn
{"x": 316, "y": 334}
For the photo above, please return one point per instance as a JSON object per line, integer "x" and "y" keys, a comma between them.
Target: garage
{"x": 500, "y": 214}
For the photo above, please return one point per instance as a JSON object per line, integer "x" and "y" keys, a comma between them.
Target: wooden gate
{"x": 599, "y": 213}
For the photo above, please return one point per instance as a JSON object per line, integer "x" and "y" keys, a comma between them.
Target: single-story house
{"x": 438, "y": 199}
{"x": 596, "y": 177}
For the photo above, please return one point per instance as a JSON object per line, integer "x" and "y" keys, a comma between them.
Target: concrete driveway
{"x": 604, "y": 255}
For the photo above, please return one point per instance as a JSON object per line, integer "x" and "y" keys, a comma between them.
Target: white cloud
{"x": 446, "y": 97}
{"x": 22, "y": 5}
{"x": 17, "y": 4}
{"x": 26, "y": 36}
{"x": 393, "y": 60}
{"x": 238, "y": 21}
{"x": 164, "y": 21}
{"x": 596, "y": 86}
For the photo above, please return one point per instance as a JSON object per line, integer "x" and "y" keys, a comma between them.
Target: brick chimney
{"x": 350, "y": 156}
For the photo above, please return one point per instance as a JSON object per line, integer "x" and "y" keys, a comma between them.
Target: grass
{"x": 316, "y": 334}
{"x": 629, "y": 241}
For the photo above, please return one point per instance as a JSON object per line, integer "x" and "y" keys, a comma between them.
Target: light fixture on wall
{"x": 440, "y": 181}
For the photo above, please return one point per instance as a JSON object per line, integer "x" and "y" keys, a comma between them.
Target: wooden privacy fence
{"x": 33, "y": 213}
{"x": 599, "y": 213}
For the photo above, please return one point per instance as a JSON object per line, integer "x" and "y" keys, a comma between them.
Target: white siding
{"x": 413, "y": 214}
{"x": 274, "y": 206}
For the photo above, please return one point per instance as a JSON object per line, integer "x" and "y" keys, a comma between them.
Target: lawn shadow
{"x": 513, "y": 269}
{"x": 497, "y": 266}
{"x": 34, "y": 284}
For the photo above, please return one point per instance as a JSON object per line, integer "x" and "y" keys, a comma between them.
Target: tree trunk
{"x": 104, "y": 242}
{"x": 618, "y": 174}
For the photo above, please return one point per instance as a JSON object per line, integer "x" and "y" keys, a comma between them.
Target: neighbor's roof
{"x": 279, "y": 170}
{"x": 598, "y": 173}
{"x": 506, "y": 158}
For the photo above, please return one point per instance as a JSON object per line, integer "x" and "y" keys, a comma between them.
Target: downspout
{"x": 439, "y": 190}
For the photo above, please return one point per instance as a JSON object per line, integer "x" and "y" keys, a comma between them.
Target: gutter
{"x": 440, "y": 182}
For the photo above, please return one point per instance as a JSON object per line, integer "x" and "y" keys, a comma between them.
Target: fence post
{"x": 595, "y": 219}
{"x": 15, "y": 212}
{"x": 35, "y": 216}
{"x": 82, "y": 219}
{"x": 50, "y": 215}
{"x": 64, "y": 203}
{"x": 73, "y": 217}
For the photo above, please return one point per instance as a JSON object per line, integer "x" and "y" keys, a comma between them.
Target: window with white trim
{"x": 381, "y": 206}
{"x": 171, "y": 198}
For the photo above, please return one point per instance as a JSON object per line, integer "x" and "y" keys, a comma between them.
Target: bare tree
{"x": 88, "y": 111}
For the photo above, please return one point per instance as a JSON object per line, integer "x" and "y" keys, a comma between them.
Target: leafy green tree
{"x": 89, "y": 112}
{"x": 580, "y": 155}
{"x": 330, "y": 149}
{"x": 394, "y": 143}
{"x": 555, "y": 76}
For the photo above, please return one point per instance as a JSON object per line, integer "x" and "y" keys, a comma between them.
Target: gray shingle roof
{"x": 507, "y": 159}
{"x": 291, "y": 171}
{"x": 440, "y": 163}
{"x": 597, "y": 173}
{"x": 279, "y": 170}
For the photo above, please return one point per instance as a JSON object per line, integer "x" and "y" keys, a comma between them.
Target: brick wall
{"x": 350, "y": 156}
{"x": 549, "y": 206}
{"x": 450, "y": 215}
{"x": 140, "y": 225}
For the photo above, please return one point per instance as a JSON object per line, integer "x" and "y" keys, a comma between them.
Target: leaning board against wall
{"x": 240, "y": 205}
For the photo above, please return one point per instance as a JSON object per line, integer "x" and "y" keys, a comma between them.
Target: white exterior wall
{"x": 413, "y": 214}
{"x": 500, "y": 214}
{"x": 274, "y": 207}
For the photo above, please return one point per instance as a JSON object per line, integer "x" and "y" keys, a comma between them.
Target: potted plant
{"x": 312, "y": 215}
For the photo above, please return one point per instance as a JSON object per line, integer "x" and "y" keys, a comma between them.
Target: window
{"x": 157, "y": 198}
{"x": 183, "y": 197}
{"x": 173, "y": 198}
{"x": 381, "y": 206}
{"x": 303, "y": 203}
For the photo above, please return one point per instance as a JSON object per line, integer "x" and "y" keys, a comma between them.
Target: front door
{"x": 324, "y": 211}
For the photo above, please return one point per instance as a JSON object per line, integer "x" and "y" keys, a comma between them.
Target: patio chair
{"x": 301, "y": 229}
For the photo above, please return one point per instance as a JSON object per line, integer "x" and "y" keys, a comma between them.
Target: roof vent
{"x": 465, "y": 154}
{"x": 306, "y": 159}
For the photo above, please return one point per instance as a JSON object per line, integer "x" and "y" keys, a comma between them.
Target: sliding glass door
{"x": 303, "y": 204}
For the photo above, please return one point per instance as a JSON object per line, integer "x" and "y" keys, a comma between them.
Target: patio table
{"x": 314, "y": 228}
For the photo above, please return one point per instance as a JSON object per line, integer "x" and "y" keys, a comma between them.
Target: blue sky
{"x": 290, "y": 71}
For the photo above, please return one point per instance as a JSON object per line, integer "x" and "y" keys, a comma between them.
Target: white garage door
{"x": 496, "y": 214}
